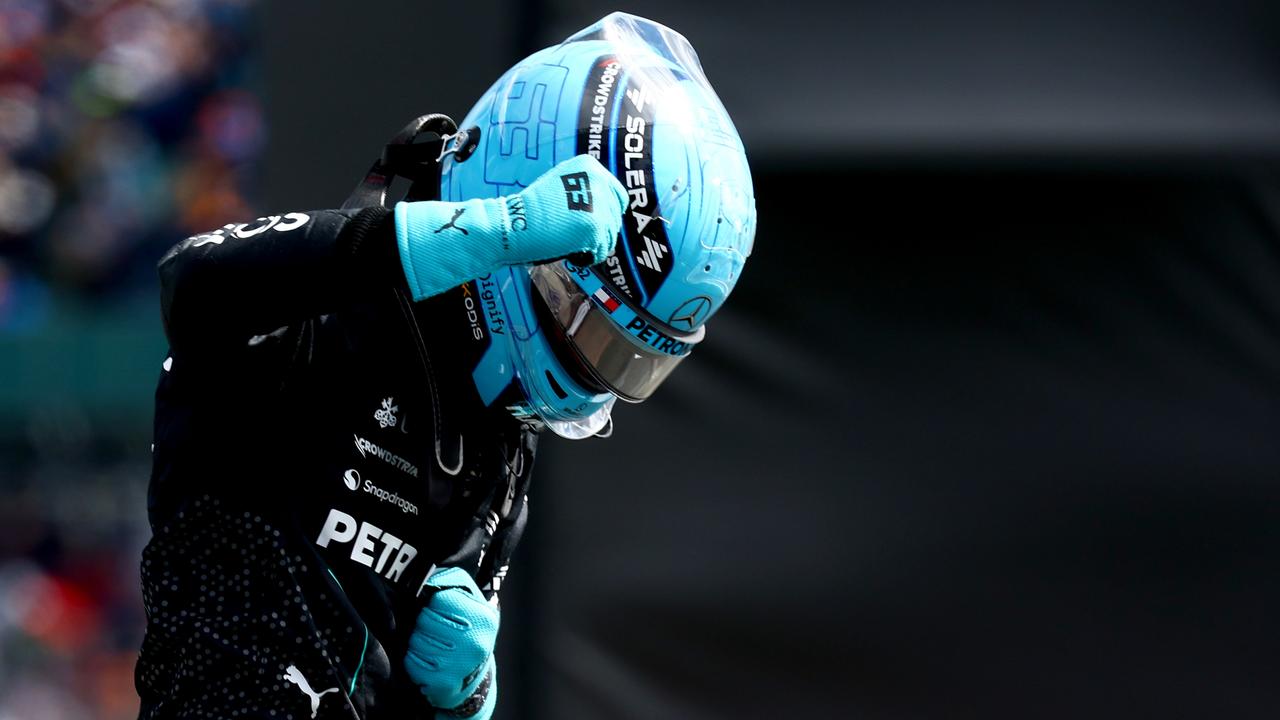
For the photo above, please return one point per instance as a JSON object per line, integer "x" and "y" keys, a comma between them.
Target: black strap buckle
{"x": 419, "y": 162}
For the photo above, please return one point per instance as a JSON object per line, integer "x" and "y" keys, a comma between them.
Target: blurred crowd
{"x": 124, "y": 126}
{"x": 70, "y": 611}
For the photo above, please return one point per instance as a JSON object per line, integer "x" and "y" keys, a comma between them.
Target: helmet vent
{"x": 469, "y": 142}
{"x": 555, "y": 386}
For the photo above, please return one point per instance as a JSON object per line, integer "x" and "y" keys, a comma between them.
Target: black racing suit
{"x": 319, "y": 448}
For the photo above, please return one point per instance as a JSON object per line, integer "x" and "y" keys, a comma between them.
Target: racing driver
{"x": 347, "y": 416}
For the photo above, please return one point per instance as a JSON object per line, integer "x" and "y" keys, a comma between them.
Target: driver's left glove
{"x": 451, "y": 649}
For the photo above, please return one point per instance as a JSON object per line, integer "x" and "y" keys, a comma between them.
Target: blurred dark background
{"x": 991, "y": 428}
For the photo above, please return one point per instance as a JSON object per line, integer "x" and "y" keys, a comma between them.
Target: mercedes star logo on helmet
{"x": 691, "y": 314}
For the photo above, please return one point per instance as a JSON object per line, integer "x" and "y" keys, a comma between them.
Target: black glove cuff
{"x": 475, "y": 703}
{"x": 369, "y": 240}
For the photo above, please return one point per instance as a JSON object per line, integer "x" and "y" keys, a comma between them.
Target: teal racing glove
{"x": 574, "y": 209}
{"x": 450, "y": 653}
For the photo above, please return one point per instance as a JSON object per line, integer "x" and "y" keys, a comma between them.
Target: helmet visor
{"x": 614, "y": 345}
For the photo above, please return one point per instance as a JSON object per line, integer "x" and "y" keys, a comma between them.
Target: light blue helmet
{"x": 564, "y": 342}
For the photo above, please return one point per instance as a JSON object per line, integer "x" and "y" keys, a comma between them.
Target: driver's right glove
{"x": 573, "y": 210}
